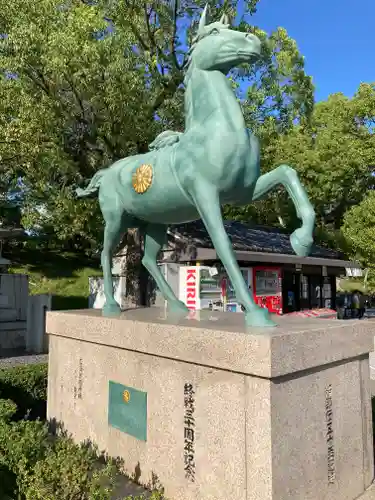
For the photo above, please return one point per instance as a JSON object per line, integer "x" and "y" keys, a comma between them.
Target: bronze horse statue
{"x": 189, "y": 176}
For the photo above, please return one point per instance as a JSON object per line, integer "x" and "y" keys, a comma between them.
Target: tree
{"x": 359, "y": 221}
{"x": 334, "y": 156}
{"x": 84, "y": 83}
{"x": 359, "y": 232}
{"x": 359, "y": 229}
{"x": 10, "y": 202}
{"x": 58, "y": 99}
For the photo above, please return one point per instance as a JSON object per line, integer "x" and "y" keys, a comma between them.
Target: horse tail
{"x": 93, "y": 186}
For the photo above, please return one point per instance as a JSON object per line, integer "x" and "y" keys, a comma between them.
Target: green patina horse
{"x": 189, "y": 176}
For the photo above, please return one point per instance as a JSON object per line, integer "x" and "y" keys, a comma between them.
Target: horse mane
{"x": 189, "y": 54}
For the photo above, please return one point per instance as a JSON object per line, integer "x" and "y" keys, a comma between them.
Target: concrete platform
{"x": 217, "y": 411}
{"x": 369, "y": 494}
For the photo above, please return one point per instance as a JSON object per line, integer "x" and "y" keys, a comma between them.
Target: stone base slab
{"x": 291, "y": 420}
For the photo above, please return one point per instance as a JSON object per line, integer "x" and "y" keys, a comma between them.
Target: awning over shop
{"x": 191, "y": 242}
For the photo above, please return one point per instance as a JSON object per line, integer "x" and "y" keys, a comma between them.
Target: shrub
{"x": 36, "y": 465}
{"x": 70, "y": 472}
{"x": 39, "y": 466}
{"x": 26, "y": 385}
{"x": 7, "y": 478}
{"x": 7, "y": 409}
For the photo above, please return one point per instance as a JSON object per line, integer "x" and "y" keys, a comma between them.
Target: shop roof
{"x": 246, "y": 237}
{"x": 250, "y": 241}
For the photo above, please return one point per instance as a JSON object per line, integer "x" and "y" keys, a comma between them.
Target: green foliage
{"x": 31, "y": 379}
{"x": 10, "y": 212}
{"x": 333, "y": 155}
{"x": 68, "y": 471}
{"x": 359, "y": 229}
{"x": 36, "y": 465}
{"x": 352, "y": 284}
{"x": 79, "y": 102}
{"x": 7, "y": 409}
{"x": 51, "y": 468}
{"x": 65, "y": 275}
{"x": 26, "y": 386}
{"x": 283, "y": 93}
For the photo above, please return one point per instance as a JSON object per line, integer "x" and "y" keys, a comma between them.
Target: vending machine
{"x": 200, "y": 287}
{"x": 267, "y": 288}
{"x": 229, "y": 295}
{"x": 204, "y": 287}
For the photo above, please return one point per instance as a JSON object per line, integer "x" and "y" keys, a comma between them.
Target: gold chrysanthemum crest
{"x": 142, "y": 178}
{"x": 126, "y": 396}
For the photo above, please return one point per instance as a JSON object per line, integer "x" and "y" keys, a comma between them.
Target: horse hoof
{"x": 178, "y": 307}
{"x": 259, "y": 317}
{"x": 301, "y": 243}
{"x": 111, "y": 310}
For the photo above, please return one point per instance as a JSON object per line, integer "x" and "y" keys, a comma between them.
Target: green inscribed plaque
{"x": 127, "y": 410}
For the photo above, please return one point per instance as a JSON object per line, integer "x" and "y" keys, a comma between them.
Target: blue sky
{"x": 335, "y": 36}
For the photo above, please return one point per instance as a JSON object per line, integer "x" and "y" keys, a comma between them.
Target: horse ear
{"x": 203, "y": 20}
{"x": 224, "y": 19}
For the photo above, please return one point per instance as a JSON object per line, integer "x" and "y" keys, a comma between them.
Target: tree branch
{"x": 109, "y": 145}
{"x": 78, "y": 98}
{"x": 10, "y": 158}
{"x": 167, "y": 91}
{"x": 138, "y": 36}
{"x": 151, "y": 36}
{"x": 174, "y": 34}
{"x": 42, "y": 84}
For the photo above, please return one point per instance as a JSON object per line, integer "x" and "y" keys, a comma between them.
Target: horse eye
{"x": 215, "y": 31}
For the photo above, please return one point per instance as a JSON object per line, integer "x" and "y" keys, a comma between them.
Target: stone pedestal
{"x": 215, "y": 412}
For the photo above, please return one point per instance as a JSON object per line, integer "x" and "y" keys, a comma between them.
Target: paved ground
{"x": 17, "y": 359}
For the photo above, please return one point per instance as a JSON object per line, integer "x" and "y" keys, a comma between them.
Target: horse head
{"x": 218, "y": 48}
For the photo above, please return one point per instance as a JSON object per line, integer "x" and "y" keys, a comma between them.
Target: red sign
{"x": 191, "y": 289}
{"x": 224, "y": 285}
{"x": 267, "y": 288}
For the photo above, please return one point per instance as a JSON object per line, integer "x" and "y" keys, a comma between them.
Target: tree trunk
{"x": 142, "y": 276}
{"x": 137, "y": 276}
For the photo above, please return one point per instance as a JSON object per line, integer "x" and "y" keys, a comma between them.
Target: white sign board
{"x": 189, "y": 286}
{"x": 96, "y": 297}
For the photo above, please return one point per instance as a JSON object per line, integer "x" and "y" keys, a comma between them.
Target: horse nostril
{"x": 250, "y": 37}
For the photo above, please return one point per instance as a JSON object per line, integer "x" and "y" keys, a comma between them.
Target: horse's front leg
{"x": 207, "y": 202}
{"x": 302, "y": 238}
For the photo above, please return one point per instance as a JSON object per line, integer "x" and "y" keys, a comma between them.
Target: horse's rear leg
{"x": 154, "y": 241}
{"x": 302, "y": 238}
{"x": 115, "y": 227}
